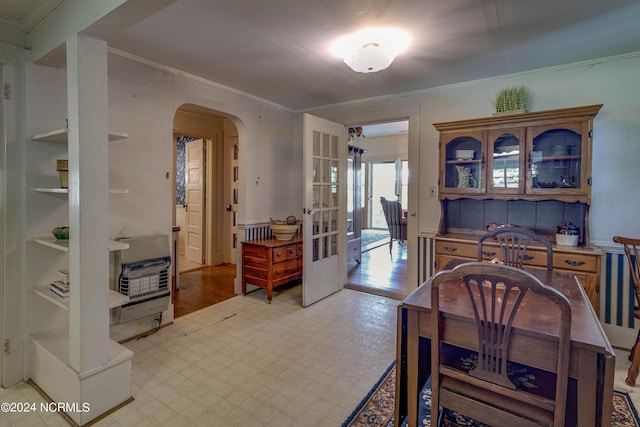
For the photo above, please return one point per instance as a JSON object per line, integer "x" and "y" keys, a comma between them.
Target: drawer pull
{"x": 449, "y": 249}
{"x": 574, "y": 263}
{"x": 487, "y": 253}
{"x": 291, "y": 251}
{"x": 279, "y": 254}
{"x": 527, "y": 257}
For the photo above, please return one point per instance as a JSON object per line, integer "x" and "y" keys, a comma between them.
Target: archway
{"x": 207, "y": 277}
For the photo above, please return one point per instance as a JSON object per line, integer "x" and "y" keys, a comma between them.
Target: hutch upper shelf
{"x": 542, "y": 155}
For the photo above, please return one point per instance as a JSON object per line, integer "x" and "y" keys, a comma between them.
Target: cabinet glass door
{"x": 464, "y": 165}
{"x": 555, "y": 159}
{"x": 506, "y": 161}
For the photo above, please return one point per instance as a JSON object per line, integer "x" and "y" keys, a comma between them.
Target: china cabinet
{"x": 354, "y": 203}
{"x": 530, "y": 156}
{"x": 528, "y": 169}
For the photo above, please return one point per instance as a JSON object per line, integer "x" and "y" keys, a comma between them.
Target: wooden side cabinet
{"x": 269, "y": 263}
{"x": 584, "y": 263}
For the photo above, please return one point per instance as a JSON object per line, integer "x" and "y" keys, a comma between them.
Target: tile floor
{"x": 243, "y": 362}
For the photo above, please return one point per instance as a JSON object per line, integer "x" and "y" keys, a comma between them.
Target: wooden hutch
{"x": 528, "y": 169}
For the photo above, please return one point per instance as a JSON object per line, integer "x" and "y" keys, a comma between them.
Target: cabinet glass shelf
{"x": 461, "y": 162}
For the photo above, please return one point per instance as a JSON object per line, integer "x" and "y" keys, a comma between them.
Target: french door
{"x": 325, "y": 198}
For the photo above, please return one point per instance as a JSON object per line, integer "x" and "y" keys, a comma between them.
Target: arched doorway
{"x": 206, "y": 200}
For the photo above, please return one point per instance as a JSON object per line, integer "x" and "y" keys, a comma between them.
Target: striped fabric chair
{"x": 393, "y": 215}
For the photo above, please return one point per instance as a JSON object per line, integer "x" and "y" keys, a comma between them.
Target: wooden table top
{"x": 586, "y": 330}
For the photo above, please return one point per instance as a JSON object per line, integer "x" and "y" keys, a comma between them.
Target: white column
{"x": 87, "y": 109}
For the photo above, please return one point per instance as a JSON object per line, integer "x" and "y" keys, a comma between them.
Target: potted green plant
{"x": 512, "y": 100}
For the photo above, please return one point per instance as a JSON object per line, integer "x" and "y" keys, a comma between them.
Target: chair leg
{"x": 632, "y": 373}
{"x": 390, "y": 244}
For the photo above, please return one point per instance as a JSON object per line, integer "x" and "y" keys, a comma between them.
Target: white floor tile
{"x": 243, "y": 362}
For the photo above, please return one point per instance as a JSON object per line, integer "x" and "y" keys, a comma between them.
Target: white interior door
{"x": 325, "y": 197}
{"x": 194, "y": 197}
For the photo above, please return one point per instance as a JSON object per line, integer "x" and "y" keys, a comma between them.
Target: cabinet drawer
{"x": 256, "y": 252}
{"x": 254, "y": 263}
{"x": 457, "y": 249}
{"x": 250, "y": 274}
{"x": 576, "y": 262}
{"x": 284, "y": 253}
{"x": 533, "y": 257}
{"x": 285, "y": 269}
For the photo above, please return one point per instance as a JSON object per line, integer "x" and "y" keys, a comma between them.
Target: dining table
{"x": 591, "y": 360}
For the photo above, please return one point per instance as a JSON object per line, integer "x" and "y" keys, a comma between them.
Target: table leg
{"x": 401, "y": 367}
{"x": 607, "y": 388}
{"x": 587, "y": 387}
{"x": 413, "y": 344}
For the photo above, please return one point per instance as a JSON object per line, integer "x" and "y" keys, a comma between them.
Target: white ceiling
{"x": 277, "y": 50}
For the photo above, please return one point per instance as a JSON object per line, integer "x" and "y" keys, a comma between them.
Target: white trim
{"x": 428, "y": 232}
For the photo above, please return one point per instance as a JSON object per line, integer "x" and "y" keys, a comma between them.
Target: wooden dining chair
{"x": 513, "y": 242}
{"x": 631, "y": 248}
{"x": 488, "y": 392}
{"x": 393, "y": 216}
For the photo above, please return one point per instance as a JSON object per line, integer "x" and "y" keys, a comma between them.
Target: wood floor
{"x": 380, "y": 273}
{"x": 202, "y": 288}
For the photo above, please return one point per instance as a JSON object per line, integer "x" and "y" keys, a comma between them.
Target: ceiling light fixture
{"x": 371, "y": 49}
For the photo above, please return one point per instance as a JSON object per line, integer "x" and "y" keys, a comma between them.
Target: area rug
{"x": 372, "y": 238}
{"x": 376, "y": 409}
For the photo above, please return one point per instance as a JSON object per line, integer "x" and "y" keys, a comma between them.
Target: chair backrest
{"x": 514, "y": 242}
{"x": 631, "y": 248}
{"x": 496, "y": 293}
{"x": 393, "y": 215}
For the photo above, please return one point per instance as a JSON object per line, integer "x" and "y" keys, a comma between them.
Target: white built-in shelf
{"x": 61, "y": 136}
{"x": 55, "y": 341}
{"x": 58, "y": 190}
{"x": 116, "y": 299}
{"x": 52, "y": 242}
{"x": 45, "y": 292}
{"x": 63, "y": 245}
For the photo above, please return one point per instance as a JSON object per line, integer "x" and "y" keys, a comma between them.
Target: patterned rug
{"x": 372, "y": 238}
{"x": 376, "y": 409}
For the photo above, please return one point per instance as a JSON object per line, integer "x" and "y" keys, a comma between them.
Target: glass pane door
{"x": 506, "y": 161}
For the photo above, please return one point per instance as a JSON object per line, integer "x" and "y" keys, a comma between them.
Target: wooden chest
{"x": 269, "y": 263}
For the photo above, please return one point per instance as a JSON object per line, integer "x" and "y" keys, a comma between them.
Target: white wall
{"x": 379, "y": 148}
{"x": 12, "y": 212}
{"x": 143, "y": 101}
{"x": 616, "y": 149}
